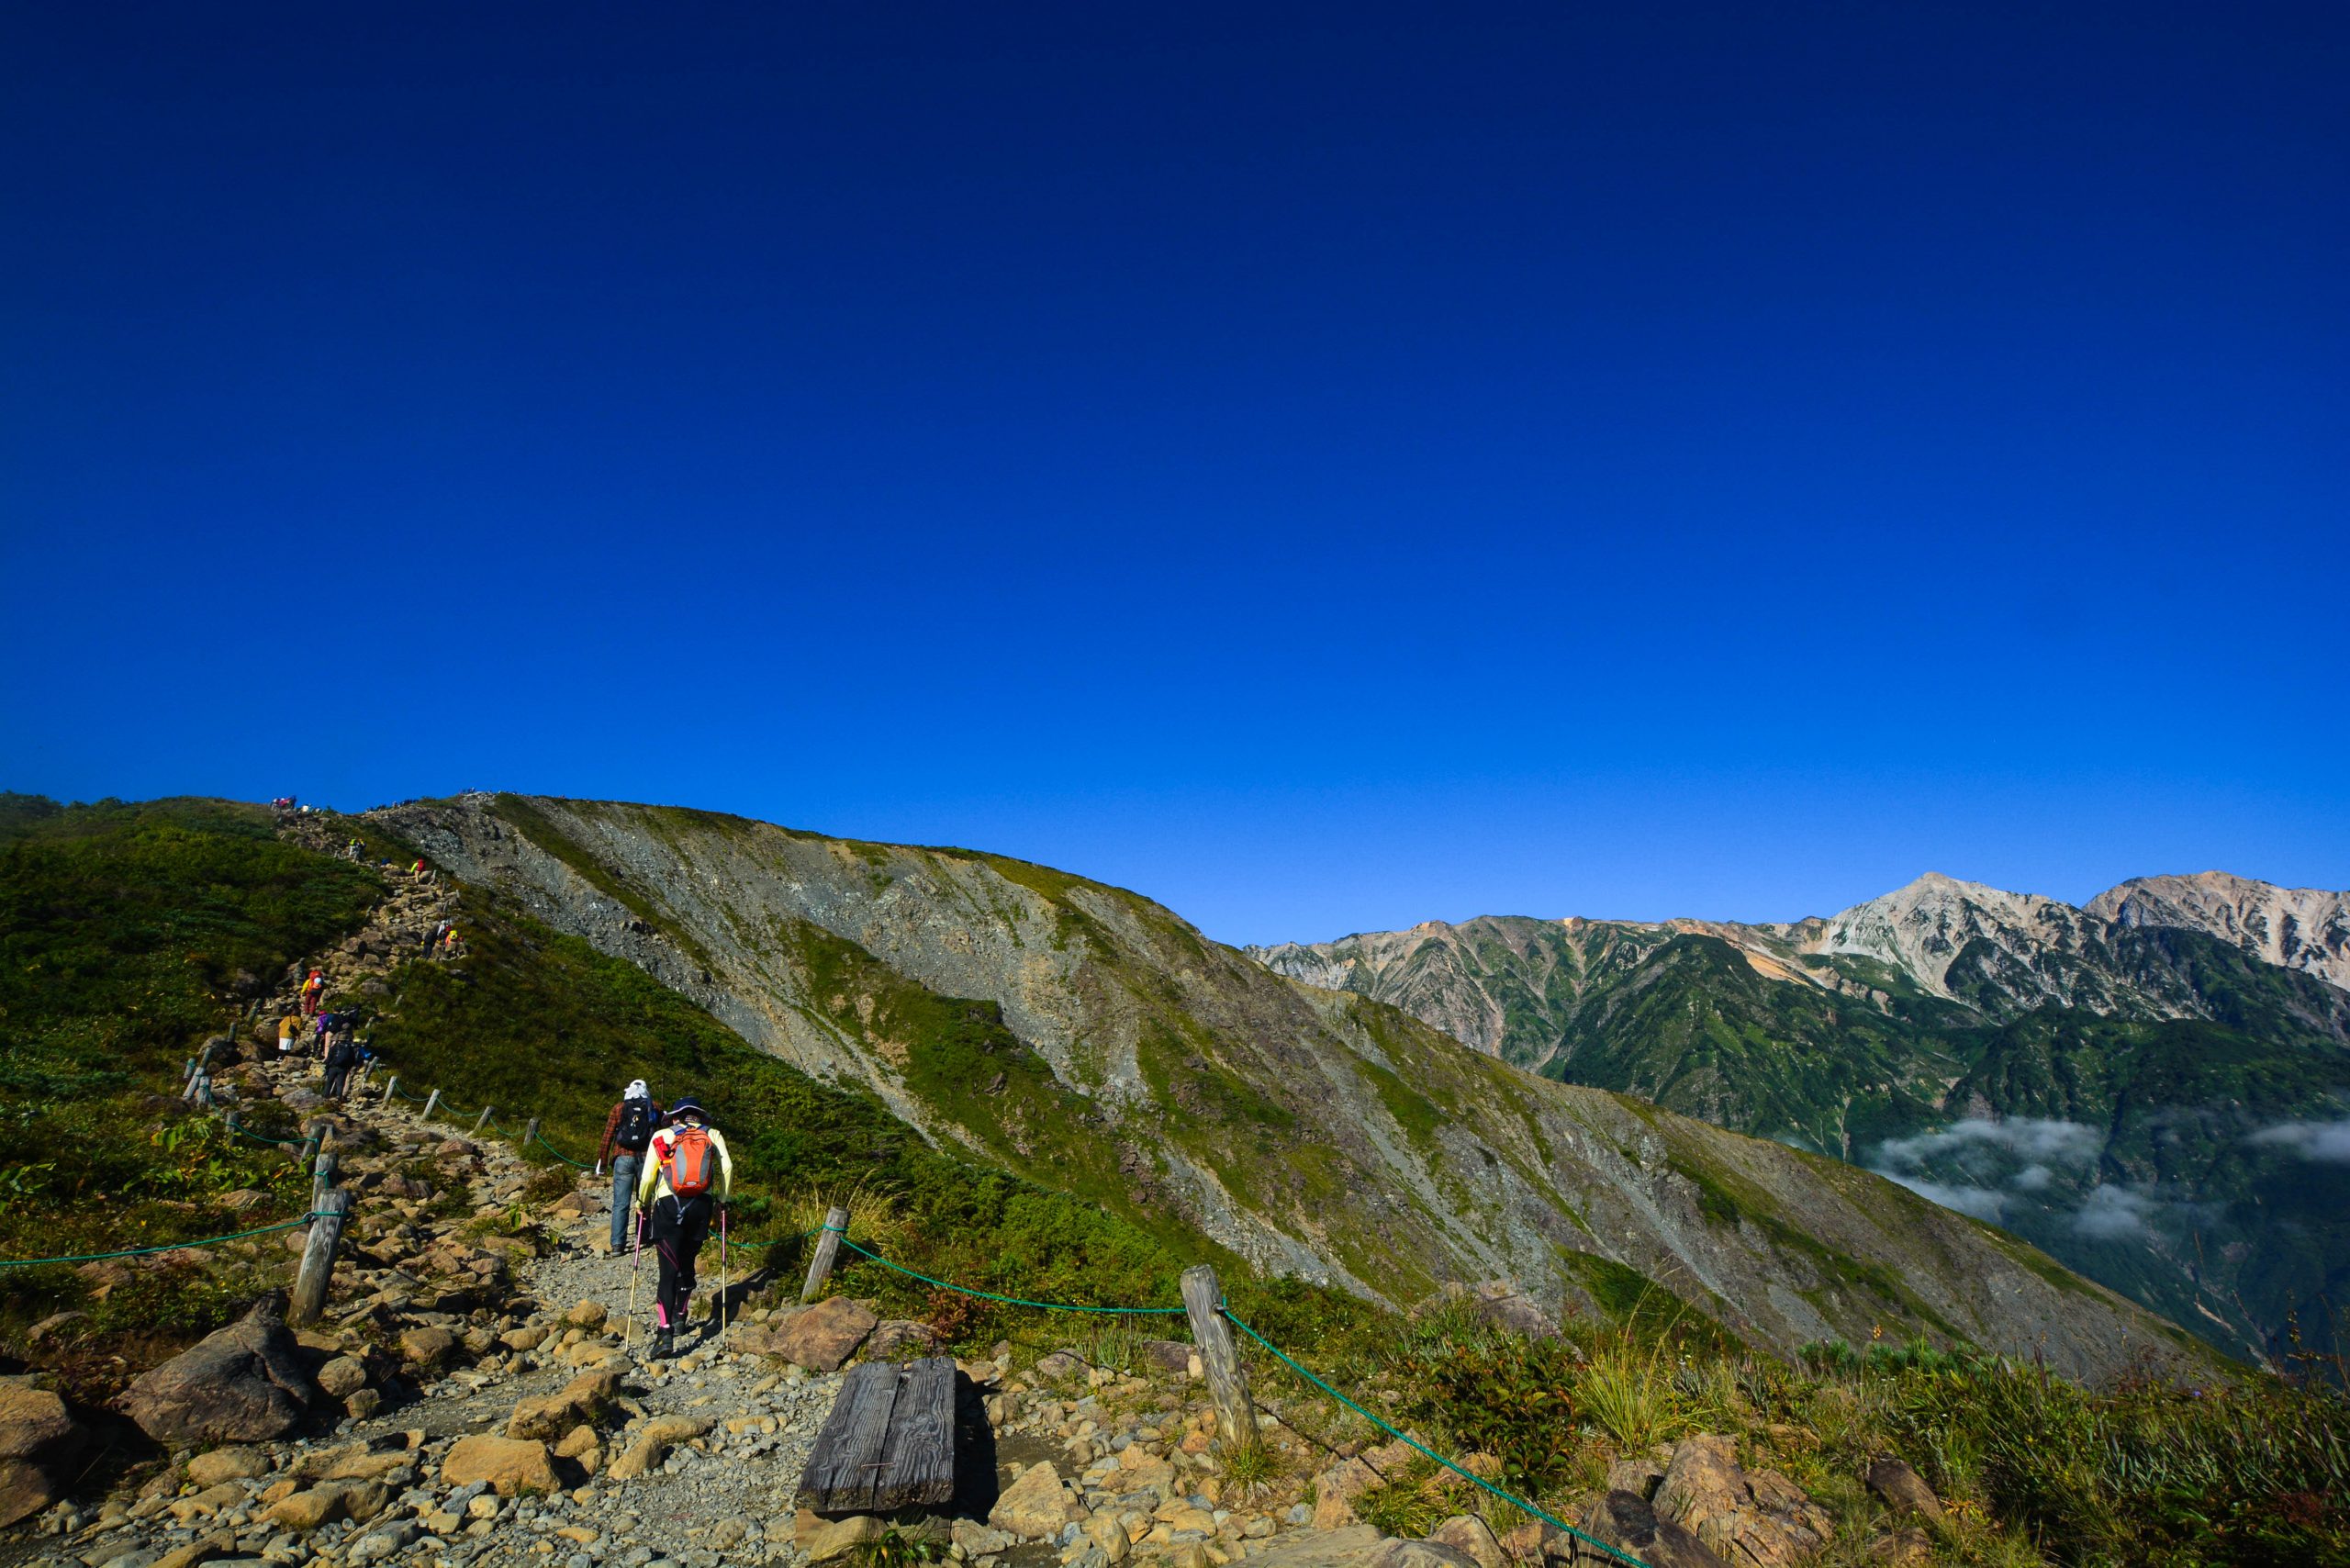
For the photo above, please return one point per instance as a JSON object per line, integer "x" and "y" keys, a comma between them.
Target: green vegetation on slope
{"x": 127, "y": 934}
{"x": 538, "y": 1024}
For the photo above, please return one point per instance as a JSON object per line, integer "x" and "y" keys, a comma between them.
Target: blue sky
{"x": 1325, "y": 468}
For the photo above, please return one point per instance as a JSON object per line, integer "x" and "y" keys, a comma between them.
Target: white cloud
{"x": 2110, "y": 1212}
{"x": 2328, "y": 1141}
{"x": 1980, "y": 1202}
{"x": 2037, "y": 1139}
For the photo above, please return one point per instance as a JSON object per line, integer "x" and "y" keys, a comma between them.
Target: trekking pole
{"x": 635, "y": 1269}
{"x": 721, "y": 1276}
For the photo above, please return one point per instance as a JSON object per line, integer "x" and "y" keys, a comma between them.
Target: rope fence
{"x": 1509, "y": 1497}
{"x": 165, "y": 1246}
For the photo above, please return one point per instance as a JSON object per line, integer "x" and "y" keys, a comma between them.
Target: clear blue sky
{"x": 1322, "y": 467}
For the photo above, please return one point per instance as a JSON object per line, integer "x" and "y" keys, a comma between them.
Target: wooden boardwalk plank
{"x": 921, "y": 1453}
{"x": 888, "y": 1442}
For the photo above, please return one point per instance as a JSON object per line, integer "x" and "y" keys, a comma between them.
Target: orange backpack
{"x": 691, "y": 1164}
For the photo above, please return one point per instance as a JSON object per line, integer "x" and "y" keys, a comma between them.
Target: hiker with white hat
{"x": 627, "y": 1131}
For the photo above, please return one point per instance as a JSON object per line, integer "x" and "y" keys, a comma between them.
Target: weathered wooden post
{"x": 529, "y": 1135}
{"x": 391, "y": 1088}
{"x": 1236, "y": 1418}
{"x": 199, "y": 1088}
{"x": 322, "y": 1130}
{"x": 828, "y": 1245}
{"x": 308, "y": 1155}
{"x": 430, "y": 1101}
{"x": 321, "y": 1180}
{"x": 318, "y": 1259}
{"x": 480, "y": 1121}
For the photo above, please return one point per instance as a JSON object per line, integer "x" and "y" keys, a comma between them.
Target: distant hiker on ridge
{"x": 684, "y": 1182}
{"x": 627, "y": 1131}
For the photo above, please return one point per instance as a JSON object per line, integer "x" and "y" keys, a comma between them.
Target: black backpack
{"x": 636, "y": 1125}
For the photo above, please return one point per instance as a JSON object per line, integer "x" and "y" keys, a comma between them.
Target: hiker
{"x": 341, "y": 1057}
{"x": 314, "y": 991}
{"x": 634, "y": 1119}
{"x": 289, "y": 1029}
{"x": 319, "y": 1032}
{"x": 433, "y": 943}
{"x": 687, "y": 1178}
{"x": 417, "y": 870}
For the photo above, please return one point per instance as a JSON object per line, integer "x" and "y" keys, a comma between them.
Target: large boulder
{"x": 244, "y": 1383}
{"x": 1752, "y": 1520}
{"x": 824, "y": 1335}
{"x": 507, "y": 1466}
{"x": 1625, "y": 1521}
{"x": 1034, "y": 1506}
{"x": 1467, "y": 1534}
{"x": 585, "y": 1398}
{"x": 651, "y": 1442}
{"x": 38, "y": 1440}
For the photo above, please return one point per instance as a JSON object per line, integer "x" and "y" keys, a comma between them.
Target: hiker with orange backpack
{"x": 688, "y": 1175}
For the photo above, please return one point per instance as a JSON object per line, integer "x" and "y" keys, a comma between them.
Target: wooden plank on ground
{"x": 888, "y": 1442}
{"x": 921, "y": 1452}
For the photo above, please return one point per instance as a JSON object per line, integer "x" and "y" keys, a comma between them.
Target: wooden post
{"x": 308, "y": 1155}
{"x": 317, "y": 1261}
{"x": 430, "y": 1101}
{"x": 322, "y": 1133}
{"x": 529, "y": 1135}
{"x": 480, "y": 1120}
{"x": 321, "y": 1180}
{"x": 391, "y": 1088}
{"x": 199, "y": 1088}
{"x": 828, "y": 1244}
{"x": 1236, "y": 1418}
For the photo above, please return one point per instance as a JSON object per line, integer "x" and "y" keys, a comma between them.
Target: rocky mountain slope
{"x": 2298, "y": 928}
{"x": 2180, "y": 1030}
{"x": 1095, "y": 1042}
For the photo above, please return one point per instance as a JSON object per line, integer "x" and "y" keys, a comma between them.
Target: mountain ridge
{"x": 1104, "y": 1047}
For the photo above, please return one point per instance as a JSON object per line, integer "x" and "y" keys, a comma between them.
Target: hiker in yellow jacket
{"x": 687, "y": 1176}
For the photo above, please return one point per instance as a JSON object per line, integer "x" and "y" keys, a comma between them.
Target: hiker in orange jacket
{"x": 688, "y": 1175}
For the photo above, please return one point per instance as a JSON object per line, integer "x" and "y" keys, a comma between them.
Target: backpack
{"x": 691, "y": 1164}
{"x": 636, "y": 1125}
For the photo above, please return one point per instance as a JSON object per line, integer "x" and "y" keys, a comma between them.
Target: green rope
{"x": 257, "y": 1137}
{"x": 1382, "y": 1426}
{"x": 551, "y": 1148}
{"x": 166, "y": 1247}
{"x": 1014, "y": 1300}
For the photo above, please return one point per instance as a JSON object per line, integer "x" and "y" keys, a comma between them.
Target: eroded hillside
{"x": 1096, "y": 1041}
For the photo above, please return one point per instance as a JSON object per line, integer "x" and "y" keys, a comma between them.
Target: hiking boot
{"x": 665, "y": 1344}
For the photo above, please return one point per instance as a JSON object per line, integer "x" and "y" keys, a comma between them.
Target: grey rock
{"x": 242, "y": 1383}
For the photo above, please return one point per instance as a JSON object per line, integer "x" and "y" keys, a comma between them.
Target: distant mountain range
{"x": 2153, "y": 1087}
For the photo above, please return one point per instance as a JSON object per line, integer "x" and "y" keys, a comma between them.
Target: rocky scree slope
{"x": 1094, "y": 1042}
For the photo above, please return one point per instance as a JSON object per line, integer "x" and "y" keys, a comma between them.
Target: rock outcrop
{"x": 38, "y": 1440}
{"x": 242, "y": 1383}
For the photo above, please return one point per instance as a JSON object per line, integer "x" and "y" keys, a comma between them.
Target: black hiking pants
{"x": 680, "y": 1227}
